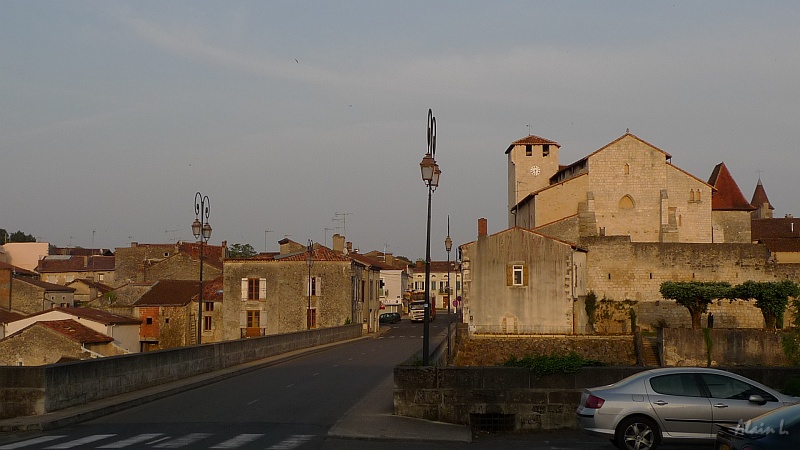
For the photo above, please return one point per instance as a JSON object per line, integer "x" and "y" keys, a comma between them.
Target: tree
{"x": 695, "y": 295}
{"x": 241, "y": 251}
{"x": 772, "y": 298}
{"x": 17, "y": 236}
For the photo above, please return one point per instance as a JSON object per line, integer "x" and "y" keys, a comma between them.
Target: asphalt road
{"x": 289, "y": 405}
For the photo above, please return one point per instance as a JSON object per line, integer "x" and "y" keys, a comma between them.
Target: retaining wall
{"x": 38, "y": 390}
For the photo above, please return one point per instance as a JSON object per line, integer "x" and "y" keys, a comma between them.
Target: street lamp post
{"x": 201, "y": 230}
{"x": 310, "y": 262}
{"x": 448, "y": 245}
{"x": 430, "y": 175}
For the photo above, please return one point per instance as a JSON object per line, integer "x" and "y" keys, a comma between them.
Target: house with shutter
{"x": 63, "y": 269}
{"x": 297, "y": 289}
{"x": 519, "y": 281}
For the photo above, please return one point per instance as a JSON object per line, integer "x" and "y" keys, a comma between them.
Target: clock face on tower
{"x": 535, "y": 171}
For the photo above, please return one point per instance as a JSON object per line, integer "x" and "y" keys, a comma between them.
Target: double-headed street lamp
{"x": 309, "y": 262}
{"x": 448, "y": 245}
{"x": 430, "y": 175}
{"x": 201, "y": 230}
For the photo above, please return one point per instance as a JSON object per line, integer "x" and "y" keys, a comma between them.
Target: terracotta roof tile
{"x": 75, "y": 331}
{"x": 60, "y": 263}
{"x": 760, "y": 196}
{"x": 9, "y": 316}
{"x": 531, "y": 140}
{"x": 95, "y": 315}
{"x": 728, "y": 196}
{"x": 169, "y": 293}
{"x": 17, "y": 270}
{"x": 788, "y": 227}
{"x": 319, "y": 253}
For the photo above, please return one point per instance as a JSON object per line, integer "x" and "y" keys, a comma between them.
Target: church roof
{"x": 531, "y": 140}
{"x": 760, "y": 196}
{"x": 728, "y": 196}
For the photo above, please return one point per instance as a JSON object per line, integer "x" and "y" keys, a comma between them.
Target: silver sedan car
{"x": 677, "y": 404}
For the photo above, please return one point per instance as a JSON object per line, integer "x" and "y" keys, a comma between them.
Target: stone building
{"x": 168, "y": 313}
{"x": 123, "y": 330}
{"x": 30, "y": 295}
{"x": 274, "y": 293}
{"x": 394, "y": 282}
{"x": 87, "y": 290}
{"x": 519, "y": 281}
{"x": 53, "y": 342}
{"x": 63, "y": 269}
{"x": 644, "y": 221}
{"x": 440, "y": 270}
{"x": 148, "y": 263}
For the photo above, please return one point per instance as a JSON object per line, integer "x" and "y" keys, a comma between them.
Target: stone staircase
{"x": 650, "y": 352}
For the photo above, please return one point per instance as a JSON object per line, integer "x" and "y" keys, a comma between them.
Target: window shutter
{"x": 242, "y": 318}
{"x": 524, "y": 274}
{"x": 244, "y": 289}
{"x": 262, "y": 288}
{"x": 308, "y": 286}
{"x": 319, "y": 286}
{"x": 510, "y": 275}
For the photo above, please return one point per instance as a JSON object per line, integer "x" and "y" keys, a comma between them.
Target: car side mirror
{"x": 757, "y": 399}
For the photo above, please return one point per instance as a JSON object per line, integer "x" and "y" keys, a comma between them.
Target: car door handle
{"x": 660, "y": 403}
{"x": 720, "y": 405}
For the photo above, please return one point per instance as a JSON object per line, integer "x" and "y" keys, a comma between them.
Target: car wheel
{"x": 638, "y": 433}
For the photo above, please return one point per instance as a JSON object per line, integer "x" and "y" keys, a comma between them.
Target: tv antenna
{"x": 342, "y": 217}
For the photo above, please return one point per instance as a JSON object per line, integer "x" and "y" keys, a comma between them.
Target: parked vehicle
{"x": 677, "y": 404}
{"x": 778, "y": 429}
{"x": 389, "y": 317}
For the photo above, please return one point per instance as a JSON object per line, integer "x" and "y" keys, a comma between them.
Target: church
{"x": 625, "y": 220}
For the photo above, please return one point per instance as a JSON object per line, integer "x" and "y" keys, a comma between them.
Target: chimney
{"x": 482, "y": 227}
{"x": 349, "y": 246}
{"x": 338, "y": 243}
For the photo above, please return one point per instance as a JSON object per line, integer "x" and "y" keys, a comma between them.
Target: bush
{"x": 543, "y": 365}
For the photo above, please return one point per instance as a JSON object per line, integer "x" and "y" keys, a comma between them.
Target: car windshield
{"x": 774, "y": 422}
{"x": 417, "y": 306}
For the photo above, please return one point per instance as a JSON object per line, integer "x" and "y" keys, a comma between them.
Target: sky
{"x": 290, "y": 115}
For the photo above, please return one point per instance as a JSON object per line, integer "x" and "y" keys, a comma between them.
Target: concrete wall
{"x": 460, "y": 394}
{"x": 38, "y": 390}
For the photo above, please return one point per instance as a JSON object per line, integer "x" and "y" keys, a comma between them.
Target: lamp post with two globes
{"x": 201, "y": 230}
{"x": 430, "y": 176}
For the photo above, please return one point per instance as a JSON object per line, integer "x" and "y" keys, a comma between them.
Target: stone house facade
{"x": 30, "y": 295}
{"x": 52, "y": 342}
{"x": 439, "y": 273}
{"x": 123, "y": 330}
{"x": 272, "y": 293}
{"x": 63, "y": 269}
{"x": 519, "y": 281}
{"x": 148, "y": 263}
{"x": 168, "y": 313}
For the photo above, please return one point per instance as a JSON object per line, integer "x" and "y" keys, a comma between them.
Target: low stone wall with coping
{"x": 37, "y": 390}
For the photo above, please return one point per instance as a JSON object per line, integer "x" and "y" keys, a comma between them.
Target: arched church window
{"x": 626, "y": 202}
{"x": 697, "y": 196}
{"x": 627, "y": 169}
{"x": 691, "y": 195}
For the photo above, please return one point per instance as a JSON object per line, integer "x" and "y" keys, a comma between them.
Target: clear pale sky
{"x": 285, "y": 113}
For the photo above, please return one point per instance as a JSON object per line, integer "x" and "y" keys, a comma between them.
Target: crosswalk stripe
{"x": 133, "y": 440}
{"x": 292, "y": 442}
{"x": 34, "y": 441}
{"x": 82, "y": 441}
{"x": 183, "y": 441}
{"x": 238, "y": 441}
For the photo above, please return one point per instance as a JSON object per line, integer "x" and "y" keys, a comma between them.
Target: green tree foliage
{"x": 241, "y": 251}
{"x": 772, "y": 297}
{"x": 695, "y": 295}
{"x": 18, "y": 236}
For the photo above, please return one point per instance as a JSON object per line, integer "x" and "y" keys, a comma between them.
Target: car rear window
{"x": 683, "y": 384}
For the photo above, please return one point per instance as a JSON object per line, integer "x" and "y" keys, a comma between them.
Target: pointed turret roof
{"x": 760, "y": 196}
{"x": 728, "y": 196}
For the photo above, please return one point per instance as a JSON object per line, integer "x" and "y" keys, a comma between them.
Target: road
{"x": 290, "y": 405}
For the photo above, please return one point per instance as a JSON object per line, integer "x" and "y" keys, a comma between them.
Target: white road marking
{"x": 291, "y": 442}
{"x": 183, "y": 441}
{"x": 82, "y": 441}
{"x": 238, "y": 441}
{"x": 34, "y": 441}
{"x": 130, "y": 441}
{"x": 252, "y": 402}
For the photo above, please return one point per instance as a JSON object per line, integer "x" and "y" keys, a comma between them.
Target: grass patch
{"x": 543, "y": 365}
